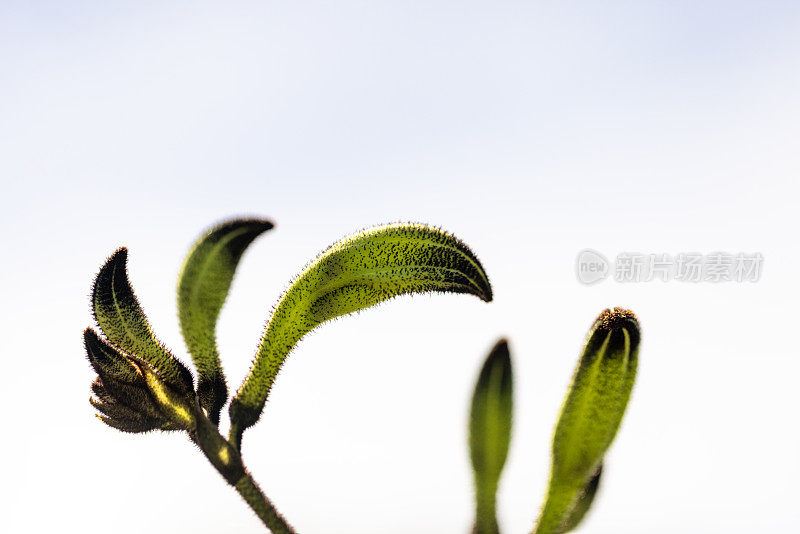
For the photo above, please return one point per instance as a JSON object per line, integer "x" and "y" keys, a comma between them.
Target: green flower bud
{"x": 591, "y": 414}
{"x": 355, "y": 273}
{"x": 122, "y": 320}
{"x": 490, "y": 433}
{"x": 203, "y": 286}
{"x": 130, "y": 395}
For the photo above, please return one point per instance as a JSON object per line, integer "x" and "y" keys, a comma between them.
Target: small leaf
{"x": 202, "y": 289}
{"x": 123, "y": 322}
{"x": 584, "y": 503}
{"x": 355, "y": 273}
{"x": 490, "y": 433}
{"x": 592, "y": 413}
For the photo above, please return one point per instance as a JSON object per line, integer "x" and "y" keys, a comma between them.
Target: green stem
{"x": 486, "y": 516}
{"x": 235, "y": 435}
{"x": 228, "y": 462}
{"x": 263, "y": 508}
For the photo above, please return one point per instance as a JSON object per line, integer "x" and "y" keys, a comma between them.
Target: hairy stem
{"x": 228, "y": 462}
{"x": 235, "y": 435}
{"x": 486, "y": 516}
{"x": 263, "y": 508}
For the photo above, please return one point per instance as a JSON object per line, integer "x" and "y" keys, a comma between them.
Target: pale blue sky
{"x": 530, "y": 130}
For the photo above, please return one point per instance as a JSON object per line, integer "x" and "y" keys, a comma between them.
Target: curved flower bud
{"x": 203, "y": 286}
{"x": 490, "y": 433}
{"x": 591, "y": 414}
{"x": 130, "y": 395}
{"x": 355, "y": 273}
{"x": 124, "y": 324}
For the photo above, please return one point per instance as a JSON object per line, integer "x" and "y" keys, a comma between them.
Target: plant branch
{"x": 228, "y": 462}
{"x": 486, "y": 516}
{"x": 262, "y": 506}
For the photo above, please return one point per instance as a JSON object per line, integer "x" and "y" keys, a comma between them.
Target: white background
{"x": 530, "y": 130}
